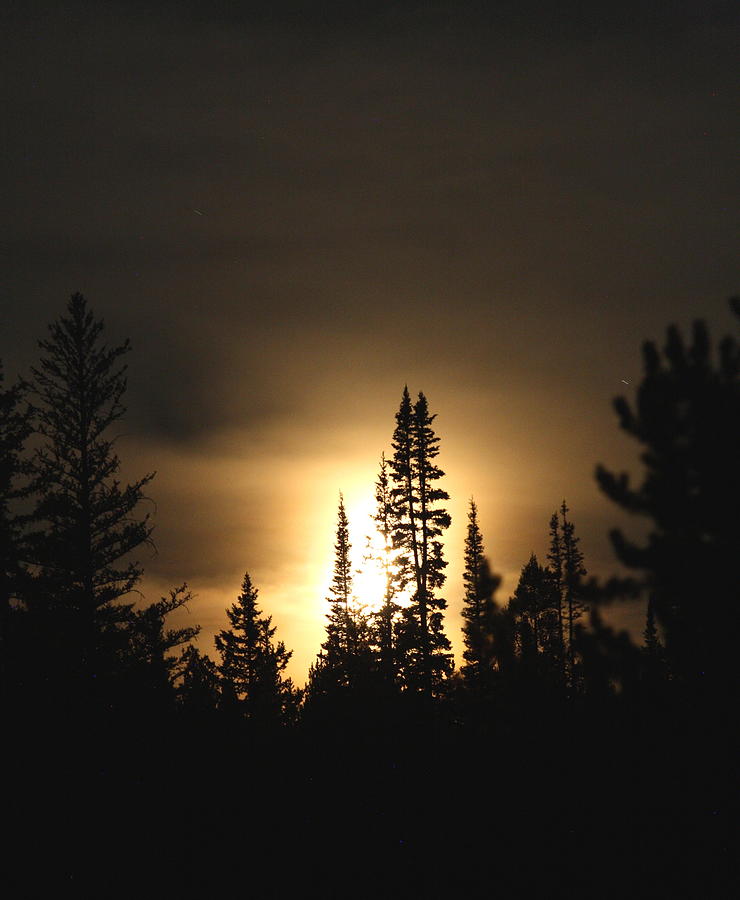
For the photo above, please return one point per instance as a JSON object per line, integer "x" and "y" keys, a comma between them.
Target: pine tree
{"x": 556, "y": 566}
{"x": 534, "y": 607}
{"x": 346, "y": 658}
{"x": 686, "y": 415}
{"x": 403, "y": 494}
{"x": 572, "y": 575}
{"x": 252, "y": 664}
{"x": 385, "y": 618}
{"x": 200, "y": 688}
{"x": 421, "y": 640}
{"x": 88, "y": 524}
{"x": 478, "y": 606}
{"x": 339, "y": 633}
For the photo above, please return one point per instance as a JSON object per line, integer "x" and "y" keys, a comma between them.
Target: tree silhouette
{"x": 422, "y": 644}
{"x": 200, "y": 688}
{"x": 87, "y": 518}
{"x": 252, "y": 665}
{"x": 556, "y": 566}
{"x": 347, "y": 658}
{"x": 534, "y": 606}
{"x": 384, "y": 619}
{"x": 339, "y": 643}
{"x": 478, "y": 607}
{"x": 686, "y": 415}
{"x": 571, "y": 579}
{"x": 148, "y": 653}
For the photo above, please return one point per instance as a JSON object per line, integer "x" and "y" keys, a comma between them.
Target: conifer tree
{"x": 339, "y": 634}
{"x": 421, "y": 640}
{"x": 200, "y": 688}
{"x": 87, "y": 518}
{"x": 403, "y": 494}
{"x": 478, "y": 606}
{"x": 531, "y": 600}
{"x": 572, "y": 574}
{"x": 252, "y": 664}
{"x": 556, "y": 565}
{"x": 386, "y": 616}
{"x": 148, "y": 654}
{"x": 346, "y": 659}
{"x": 686, "y": 414}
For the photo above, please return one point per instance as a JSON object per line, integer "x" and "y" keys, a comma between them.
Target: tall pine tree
{"x": 534, "y": 606}
{"x": 346, "y": 656}
{"x": 422, "y": 644}
{"x": 339, "y": 633}
{"x": 555, "y": 560}
{"x": 385, "y": 618}
{"x": 572, "y": 577}
{"x": 479, "y": 607}
{"x": 567, "y": 572}
{"x": 87, "y": 518}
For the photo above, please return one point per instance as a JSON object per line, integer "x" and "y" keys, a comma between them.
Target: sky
{"x": 293, "y": 213}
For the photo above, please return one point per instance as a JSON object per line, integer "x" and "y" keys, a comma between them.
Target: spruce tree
{"x": 534, "y": 607}
{"x": 403, "y": 494}
{"x": 422, "y": 644}
{"x": 339, "y": 633}
{"x": 556, "y": 566}
{"x": 346, "y": 658}
{"x": 88, "y": 527}
{"x": 385, "y": 618}
{"x": 252, "y": 664}
{"x": 200, "y": 688}
{"x": 572, "y": 576}
{"x": 478, "y": 606}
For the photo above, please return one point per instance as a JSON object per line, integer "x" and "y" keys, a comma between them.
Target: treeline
{"x": 546, "y": 696}
{"x": 72, "y": 636}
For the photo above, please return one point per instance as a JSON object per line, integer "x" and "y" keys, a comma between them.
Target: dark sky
{"x": 292, "y": 214}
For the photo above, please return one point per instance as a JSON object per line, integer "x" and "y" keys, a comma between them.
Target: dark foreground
{"x": 623, "y": 802}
